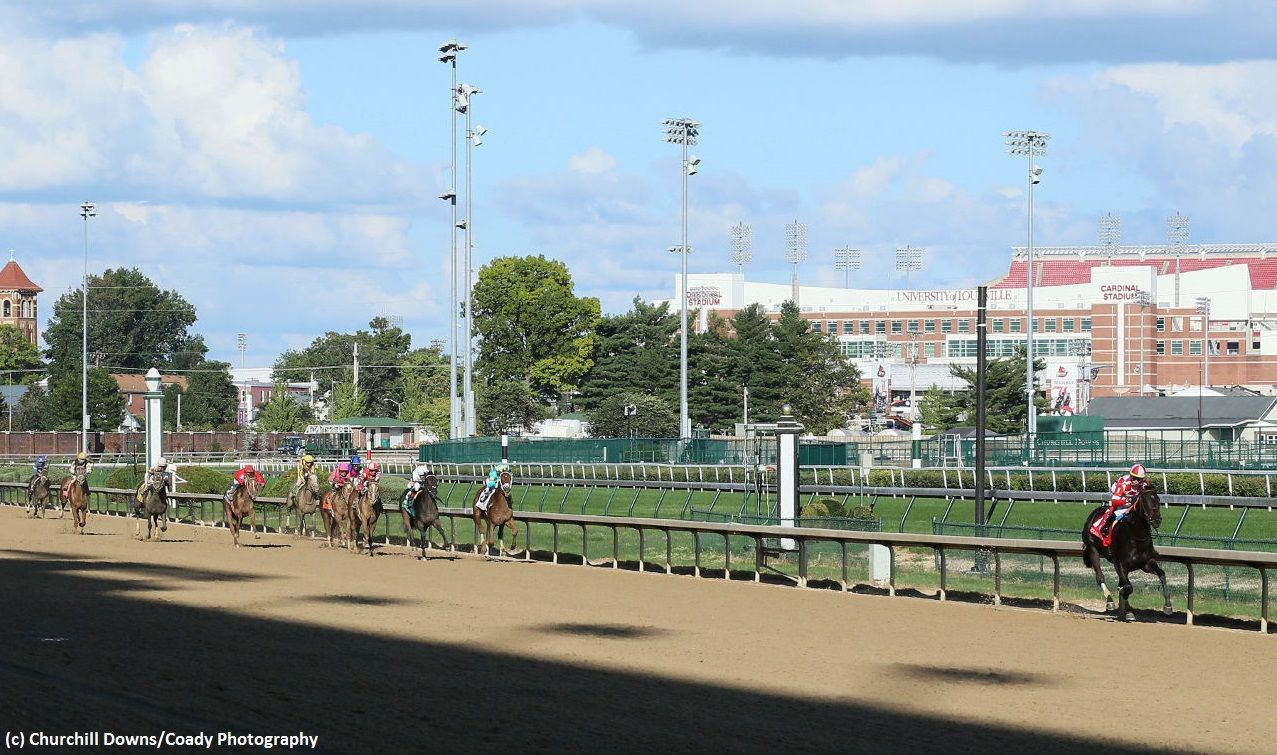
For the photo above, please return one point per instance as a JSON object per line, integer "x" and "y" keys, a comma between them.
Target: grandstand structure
{"x": 1109, "y": 320}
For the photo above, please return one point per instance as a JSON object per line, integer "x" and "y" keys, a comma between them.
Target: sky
{"x": 279, "y": 162}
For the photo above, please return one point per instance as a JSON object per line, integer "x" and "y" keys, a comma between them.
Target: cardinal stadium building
{"x": 1093, "y": 327}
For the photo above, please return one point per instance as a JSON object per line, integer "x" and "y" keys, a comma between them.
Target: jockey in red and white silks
{"x": 1126, "y": 493}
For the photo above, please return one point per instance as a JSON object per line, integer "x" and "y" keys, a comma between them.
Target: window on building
{"x": 897, "y": 351}
{"x": 815, "y": 328}
{"x": 1160, "y": 348}
{"x": 864, "y": 327}
{"x": 895, "y": 328}
{"x": 848, "y": 327}
{"x": 928, "y": 326}
{"x": 1234, "y": 348}
{"x": 946, "y": 326}
{"x": 999, "y": 325}
{"x": 1254, "y": 347}
{"x": 1070, "y": 325}
{"x": 1016, "y": 324}
{"x": 880, "y": 326}
{"x": 1177, "y": 324}
{"x": 1051, "y": 324}
{"x": 8, "y": 309}
{"x": 1195, "y": 347}
{"x": 1177, "y": 348}
{"x": 1086, "y": 326}
{"x": 1161, "y": 328}
{"x": 964, "y": 326}
{"x": 929, "y": 351}
{"x": 913, "y": 326}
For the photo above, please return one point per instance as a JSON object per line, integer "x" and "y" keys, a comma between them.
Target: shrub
{"x": 203, "y": 480}
{"x": 125, "y": 478}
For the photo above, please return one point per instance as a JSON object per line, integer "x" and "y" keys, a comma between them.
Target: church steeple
{"x": 18, "y": 301}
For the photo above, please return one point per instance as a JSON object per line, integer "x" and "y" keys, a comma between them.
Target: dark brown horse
{"x": 38, "y": 495}
{"x": 1130, "y": 549}
{"x": 337, "y": 514}
{"x": 78, "y": 496}
{"x": 152, "y": 508}
{"x": 422, "y": 513}
{"x": 240, "y": 506}
{"x": 305, "y": 501}
{"x": 500, "y": 513}
{"x": 366, "y": 506}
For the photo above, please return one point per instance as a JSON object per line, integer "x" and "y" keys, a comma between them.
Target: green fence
{"x": 818, "y": 522}
{"x": 731, "y": 451}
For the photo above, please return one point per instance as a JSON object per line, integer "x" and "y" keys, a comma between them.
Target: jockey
{"x": 80, "y": 467}
{"x": 494, "y": 479}
{"x": 419, "y": 475}
{"x": 340, "y": 475}
{"x": 305, "y": 476}
{"x": 356, "y": 466}
{"x": 40, "y": 469}
{"x": 370, "y": 473}
{"x": 240, "y": 477}
{"x": 1125, "y": 494}
{"x": 158, "y": 473}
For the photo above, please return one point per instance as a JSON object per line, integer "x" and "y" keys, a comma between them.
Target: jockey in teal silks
{"x": 494, "y": 479}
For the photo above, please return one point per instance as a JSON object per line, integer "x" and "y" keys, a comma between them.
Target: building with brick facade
{"x": 18, "y": 302}
{"x": 1108, "y": 320}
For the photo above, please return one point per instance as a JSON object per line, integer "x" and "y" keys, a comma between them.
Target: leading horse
{"x": 153, "y": 506}
{"x": 305, "y": 501}
{"x": 1130, "y": 549}
{"x": 421, "y": 512}
{"x": 239, "y": 506}
{"x": 366, "y": 510}
{"x": 338, "y": 515}
{"x": 499, "y": 513}
{"x": 38, "y": 495}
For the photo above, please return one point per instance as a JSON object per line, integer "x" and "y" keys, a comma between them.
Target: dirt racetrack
{"x": 106, "y": 633}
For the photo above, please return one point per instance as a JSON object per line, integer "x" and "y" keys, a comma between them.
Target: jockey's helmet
{"x": 81, "y": 456}
{"x": 161, "y": 462}
{"x": 343, "y": 467}
{"x": 503, "y": 466}
{"x": 249, "y": 468}
{"x": 308, "y": 459}
{"x": 40, "y": 459}
{"x": 1138, "y": 471}
{"x": 372, "y": 465}
{"x": 356, "y": 461}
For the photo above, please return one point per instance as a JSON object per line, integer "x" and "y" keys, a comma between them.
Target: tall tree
{"x": 942, "y": 410}
{"x": 106, "y": 403}
{"x": 1004, "y": 393}
{"x": 19, "y": 357}
{"x": 382, "y": 348}
{"x": 133, "y": 325}
{"x": 425, "y": 390}
{"x": 29, "y": 414}
{"x": 758, "y": 364}
{"x": 211, "y": 400}
{"x": 532, "y": 326}
{"x": 508, "y": 406}
{"x": 636, "y": 351}
{"x": 714, "y": 397}
{"x": 653, "y": 417}
{"x": 345, "y": 404}
{"x": 821, "y": 386}
{"x": 283, "y": 413}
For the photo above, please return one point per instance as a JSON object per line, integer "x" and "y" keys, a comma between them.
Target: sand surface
{"x": 103, "y": 632}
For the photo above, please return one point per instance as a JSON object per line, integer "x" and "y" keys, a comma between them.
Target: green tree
{"x": 106, "y": 403}
{"x": 654, "y": 417}
{"x": 132, "y": 323}
{"x": 821, "y": 386}
{"x": 425, "y": 390}
{"x": 532, "y": 327}
{"x": 758, "y": 364}
{"x": 714, "y": 396}
{"x": 19, "y": 356}
{"x": 1004, "y": 385}
{"x": 210, "y": 400}
{"x": 29, "y": 413}
{"x": 382, "y": 348}
{"x": 283, "y": 413}
{"x": 636, "y": 351}
{"x": 346, "y": 404}
{"x": 942, "y": 410}
{"x": 508, "y": 406}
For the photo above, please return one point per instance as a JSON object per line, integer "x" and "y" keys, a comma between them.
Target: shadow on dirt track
{"x": 126, "y": 661}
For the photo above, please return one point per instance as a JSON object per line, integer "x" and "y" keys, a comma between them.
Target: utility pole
{"x": 356, "y": 369}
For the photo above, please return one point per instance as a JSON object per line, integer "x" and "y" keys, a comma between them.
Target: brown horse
{"x": 500, "y": 513}
{"x": 337, "y": 514}
{"x": 78, "y": 496}
{"x": 152, "y": 507}
{"x": 305, "y": 502}
{"x": 422, "y": 513}
{"x": 240, "y": 506}
{"x": 1130, "y": 549}
{"x": 366, "y": 507}
{"x": 38, "y": 495}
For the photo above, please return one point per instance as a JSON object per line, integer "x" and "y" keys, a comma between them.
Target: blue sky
{"x": 278, "y": 163}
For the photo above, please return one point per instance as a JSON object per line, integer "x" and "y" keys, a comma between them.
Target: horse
{"x": 337, "y": 514}
{"x": 366, "y": 509}
{"x": 425, "y": 513}
{"x": 78, "y": 496}
{"x": 38, "y": 495}
{"x": 239, "y": 506}
{"x": 306, "y": 501}
{"x": 499, "y": 514}
{"x": 152, "y": 508}
{"x": 1130, "y": 549}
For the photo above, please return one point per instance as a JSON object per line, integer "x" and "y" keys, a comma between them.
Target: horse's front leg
{"x": 1093, "y": 557}
{"x": 1124, "y": 591}
{"x": 1152, "y": 567}
{"x": 252, "y": 523}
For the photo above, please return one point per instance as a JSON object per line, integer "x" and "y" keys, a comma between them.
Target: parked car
{"x": 292, "y": 445}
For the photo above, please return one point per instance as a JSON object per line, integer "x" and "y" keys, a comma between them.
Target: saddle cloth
{"x": 484, "y": 497}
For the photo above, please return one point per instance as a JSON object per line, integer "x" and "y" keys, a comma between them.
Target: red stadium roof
{"x": 1064, "y": 272}
{"x": 13, "y": 279}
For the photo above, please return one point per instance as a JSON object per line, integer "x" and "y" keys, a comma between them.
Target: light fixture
{"x": 449, "y": 196}
{"x": 692, "y": 162}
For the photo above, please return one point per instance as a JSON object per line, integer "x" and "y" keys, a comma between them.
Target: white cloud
{"x": 593, "y": 160}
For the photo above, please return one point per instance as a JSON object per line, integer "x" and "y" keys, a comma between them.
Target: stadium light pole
{"x": 742, "y": 246}
{"x": 1030, "y": 144}
{"x": 684, "y": 132}
{"x": 908, "y": 259}
{"x": 1144, "y": 299}
{"x": 1203, "y": 309}
{"x": 473, "y": 139}
{"x": 1177, "y": 236}
{"x": 1110, "y": 229}
{"x": 795, "y": 251}
{"x": 87, "y": 210}
{"x": 846, "y": 260}
{"x": 448, "y": 54}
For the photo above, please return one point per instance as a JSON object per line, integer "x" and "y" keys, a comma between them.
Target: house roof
{"x": 137, "y": 383}
{"x": 1180, "y": 412}
{"x": 373, "y": 422}
{"x": 13, "y": 279}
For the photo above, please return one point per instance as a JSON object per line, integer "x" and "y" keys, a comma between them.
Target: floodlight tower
{"x": 1110, "y": 230}
{"x": 87, "y": 210}
{"x": 683, "y": 132}
{"x": 465, "y": 94}
{"x": 1177, "y": 236}
{"x": 908, "y": 259}
{"x": 795, "y": 250}
{"x": 742, "y": 246}
{"x": 846, "y": 260}
{"x": 448, "y": 54}
{"x": 1030, "y": 144}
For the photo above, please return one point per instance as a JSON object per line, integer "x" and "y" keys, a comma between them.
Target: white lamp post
{"x": 1031, "y": 144}
{"x": 154, "y": 417}
{"x": 87, "y": 210}
{"x": 684, "y": 132}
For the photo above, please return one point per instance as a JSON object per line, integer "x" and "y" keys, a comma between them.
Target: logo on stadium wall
{"x": 704, "y": 296}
